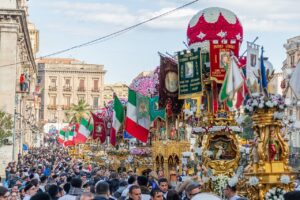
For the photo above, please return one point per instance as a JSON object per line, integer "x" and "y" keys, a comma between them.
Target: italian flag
{"x": 233, "y": 81}
{"x": 118, "y": 119}
{"x": 69, "y": 138}
{"x": 85, "y": 129}
{"x": 137, "y": 128}
{"x": 61, "y": 137}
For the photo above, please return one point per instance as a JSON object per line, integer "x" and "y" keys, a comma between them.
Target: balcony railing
{"x": 67, "y": 88}
{"x": 66, "y": 107}
{"x": 81, "y": 89}
{"x": 52, "y": 88}
{"x": 52, "y": 107}
{"x": 95, "y": 90}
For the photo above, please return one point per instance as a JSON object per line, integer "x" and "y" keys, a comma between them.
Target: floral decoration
{"x": 258, "y": 101}
{"x": 275, "y": 194}
{"x": 285, "y": 179}
{"x": 140, "y": 151}
{"x": 146, "y": 85}
{"x": 220, "y": 183}
{"x": 123, "y": 152}
{"x": 253, "y": 180}
{"x": 212, "y": 129}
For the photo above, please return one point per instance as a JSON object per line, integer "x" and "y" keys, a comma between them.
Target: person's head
{"x": 14, "y": 196}
{"x": 173, "y": 195}
{"x": 193, "y": 189}
{"x": 102, "y": 188}
{"x": 83, "y": 178}
{"x": 53, "y": 191}
{"x": 41, "y": 196}
{"x": 67, "y": 187}
{"x": 43, "y": 179}
{"x": 153, "y": 175}
{"x": 30, "y": 189}
{"x": 156, "y": 194}
{"x": 142, "y": 181}
{"x": 135, "y": 192}
{"x": 4, "y": 193}
{"x": 15, "y": 188}
{"x": 131, "y": 180}
{"x": 35, "y": 182}
{"x": 292, "y": 195}
{"x": 163, "y": 184}
{"x": 229, "y": 191}
{"x": 160, "y": 173}
{"x": 76, "y": 182}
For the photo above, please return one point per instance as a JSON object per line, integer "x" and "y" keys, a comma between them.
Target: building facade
{"x": 18, "y": 75}
{"x": 293, "y": 110}
{"x": 120, "y": 89}
{"x": 64, "y": 82}
{"x": 274, "y": 85}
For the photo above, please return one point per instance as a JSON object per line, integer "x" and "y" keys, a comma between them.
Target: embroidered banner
{"x": 168, "y": 82}
{"x": 190, "y": 76}
{"x": 220, "y": 59}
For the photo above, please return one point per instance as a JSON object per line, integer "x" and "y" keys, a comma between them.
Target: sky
{"x": 65, "y": 23}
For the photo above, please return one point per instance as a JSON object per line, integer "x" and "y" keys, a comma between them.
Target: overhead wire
{"x": 108, "y": 36}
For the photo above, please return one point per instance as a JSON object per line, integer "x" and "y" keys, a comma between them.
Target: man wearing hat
{"x": 192, "y": 189}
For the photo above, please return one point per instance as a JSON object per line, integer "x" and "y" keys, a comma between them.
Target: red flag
{"x": 215, "y": 98}
{"x": 99, "y": 130}
{"x": 241, "y": 94}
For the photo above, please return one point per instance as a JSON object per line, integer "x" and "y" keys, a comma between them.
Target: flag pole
{"x": 251, "y": 43}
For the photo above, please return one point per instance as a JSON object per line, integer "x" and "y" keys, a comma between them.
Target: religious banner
{"x": 252, "y": 62}
{"x": 220, "y": 59}
{"x": 99, "y": 129}
{"x": 168, "y": 81}
{"x": 190, "y": 78}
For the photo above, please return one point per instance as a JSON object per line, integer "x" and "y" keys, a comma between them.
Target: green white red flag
{"x": 118, "y": 119}
{"x": 232, "y": 83}
{"x": 61, "y": 136}
{"x": 84, "y": 131}
{"x": 137, "y": 122}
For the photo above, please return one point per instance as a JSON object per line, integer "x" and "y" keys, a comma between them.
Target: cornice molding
{"x": 19, "y": 16}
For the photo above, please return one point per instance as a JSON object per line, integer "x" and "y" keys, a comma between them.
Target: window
{"x": 81, "y": 84}
{"x": 68, "y": 100}
{"x": 53, "y": 100}
{"x": 96, "y": 81}
{"x": 292, "y": 60}
{"x": 68, "y": 82}
{"x": 95, "y": 102}
{"x": 53, "y": 82}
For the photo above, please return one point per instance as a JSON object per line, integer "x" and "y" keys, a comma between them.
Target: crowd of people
{"x": 51, "y": 174}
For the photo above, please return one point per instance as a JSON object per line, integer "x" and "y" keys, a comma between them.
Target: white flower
{"x": 261, "y": 105}
{"x": 253, "y": 180}
{"x": 285, "y": 179}
{"x": 233, "y": 181}
{"x": 255, "y": 103}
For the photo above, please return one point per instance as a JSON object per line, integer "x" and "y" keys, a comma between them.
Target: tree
{"x": 6, "y": 126}
{"x": 78, "y": 111}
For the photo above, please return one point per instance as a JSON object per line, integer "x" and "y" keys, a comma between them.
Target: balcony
{"x": 52, "y": 88}
{"x": 95, "y": 90}
{"x": 67, "y": 88}
{"x": 52, "y": 107}
{"x": 81, "y": 89}
{"x": 66, "y": 107}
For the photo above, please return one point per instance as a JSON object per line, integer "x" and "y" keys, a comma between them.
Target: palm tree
{"x": 82, "y": 109}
